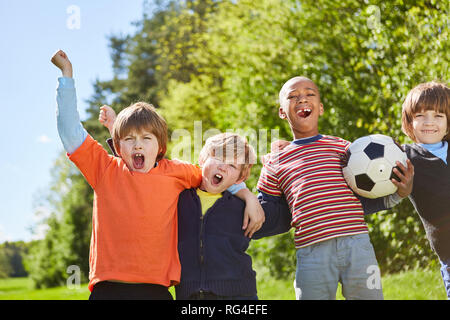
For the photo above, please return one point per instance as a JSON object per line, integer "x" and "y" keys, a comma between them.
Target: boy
{"x": 331, "y": 236}
{"x": 426, "y": 121}
{"x": 211, "y": 244}
{"x": 133, "y": 252}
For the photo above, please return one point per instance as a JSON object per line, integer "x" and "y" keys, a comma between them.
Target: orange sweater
{"x": 134, "y": 221}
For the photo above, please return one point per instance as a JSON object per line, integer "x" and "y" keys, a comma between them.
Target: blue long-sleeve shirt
{"x": 70, "y": 129}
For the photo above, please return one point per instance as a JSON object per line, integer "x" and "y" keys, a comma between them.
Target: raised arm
{"x": 70, "y": 130}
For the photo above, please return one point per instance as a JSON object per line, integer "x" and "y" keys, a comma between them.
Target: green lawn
{"x": 411, "y": 285}
{"x": 20, "y": 289}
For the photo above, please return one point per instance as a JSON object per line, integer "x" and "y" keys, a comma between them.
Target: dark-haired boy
{"x": 331, "y": 236}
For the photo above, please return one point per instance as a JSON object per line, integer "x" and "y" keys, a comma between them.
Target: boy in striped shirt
{"x": 331, "y": 236}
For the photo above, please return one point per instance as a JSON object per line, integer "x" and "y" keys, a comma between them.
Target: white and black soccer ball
{"x": 369, "y": 164}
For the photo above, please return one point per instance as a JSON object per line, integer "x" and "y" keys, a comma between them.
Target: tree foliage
{"x": 223, "y": 63}
{"x": 5, "y": 265}
{"x": 11, "y": 259}
{"x": 66, "y": 240}
{"x": 364, "y": 57}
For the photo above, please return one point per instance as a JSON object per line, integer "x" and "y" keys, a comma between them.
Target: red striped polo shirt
{"x": 309, "y": 173}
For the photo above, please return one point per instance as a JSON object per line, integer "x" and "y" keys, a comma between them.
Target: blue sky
{"x": 31, "y": 32}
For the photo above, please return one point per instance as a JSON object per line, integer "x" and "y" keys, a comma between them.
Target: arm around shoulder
{"x": 277, "y": 214}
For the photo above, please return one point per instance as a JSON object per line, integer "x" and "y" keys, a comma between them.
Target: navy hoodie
{"x": 212, "y": 246}
{"x": 431, "y": 197}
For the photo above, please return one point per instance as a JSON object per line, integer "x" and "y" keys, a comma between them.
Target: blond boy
{"x": 211, "y": 243}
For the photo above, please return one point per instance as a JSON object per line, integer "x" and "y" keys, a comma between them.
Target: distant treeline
{"x": 12, "y": 259}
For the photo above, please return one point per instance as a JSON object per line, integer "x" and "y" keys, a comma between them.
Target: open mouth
{"x": 138, "y": 160}
{"x": 304, "y": 112}
{"x": 217, "y": 179}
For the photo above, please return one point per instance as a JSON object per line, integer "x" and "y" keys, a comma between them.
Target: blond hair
{"x": 230, "y": 146}
{"x": 425, "y": 96}
{"x": 138, "y": 117}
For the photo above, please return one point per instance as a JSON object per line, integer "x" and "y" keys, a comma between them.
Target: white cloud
{"x": 41, "y": 213}
{"x": 43, "y": 139}
{"x": 39, "y": 229}
{"x": 39, "y": 232}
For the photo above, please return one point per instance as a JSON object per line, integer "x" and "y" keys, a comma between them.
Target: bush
{"x": 11, "y": 259}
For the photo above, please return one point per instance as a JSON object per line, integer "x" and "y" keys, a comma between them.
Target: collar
{"x": 307, "y": 140}
{"x": 439, "y": 149}
{"x": 434, "y": 146}
{"x": 224, "y": 193}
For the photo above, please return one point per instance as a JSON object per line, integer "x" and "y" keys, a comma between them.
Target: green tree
{"x": 364, "y": 56}
{"x": 66, "y": 241}
{"x": 5, "y": 265}
{"x": 13, "y": 253}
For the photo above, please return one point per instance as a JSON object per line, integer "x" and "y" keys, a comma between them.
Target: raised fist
{"x": 61, "y": 60}
{"x": 107, "y": 117}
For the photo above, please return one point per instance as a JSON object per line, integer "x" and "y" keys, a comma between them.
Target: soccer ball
{"x": 369, "y": 164}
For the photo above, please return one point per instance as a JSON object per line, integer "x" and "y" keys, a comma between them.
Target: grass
{"x": 411, "y": 285}
{"x": 414, "y": 285}
{"x": 21, "y": 289}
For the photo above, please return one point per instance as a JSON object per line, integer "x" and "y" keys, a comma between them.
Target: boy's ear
{"x": 281, "y": 113}
{"x": 244, "y": 176}
{"x": 321, "y": 109}
{"x": 160, "y": 154}
{"x": 241, "y": 179}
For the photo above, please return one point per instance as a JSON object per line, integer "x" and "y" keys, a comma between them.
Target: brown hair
{"x": 425, "y": 96}
{"x": 230, "y": 145}
{"x": 138, "y": 117}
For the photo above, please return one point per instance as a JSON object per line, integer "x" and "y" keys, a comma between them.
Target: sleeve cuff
{"x": 392, "y": 200}
{"x": 262, "y": 196}
{"x": 65, "y": 82}
{"x": 236, "y": 187}
{"x": 395, "y": 197}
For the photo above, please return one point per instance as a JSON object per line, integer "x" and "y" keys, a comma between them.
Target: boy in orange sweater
{"x": 133, "y": 253}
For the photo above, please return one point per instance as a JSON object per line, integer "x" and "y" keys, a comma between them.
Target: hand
{"x": 61, "y": 60}
{"x": 279, "y": 145}
{"x": 406, "y": 176}
{"x": 253, "y": 215}
{"x": 107, "y": 117}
